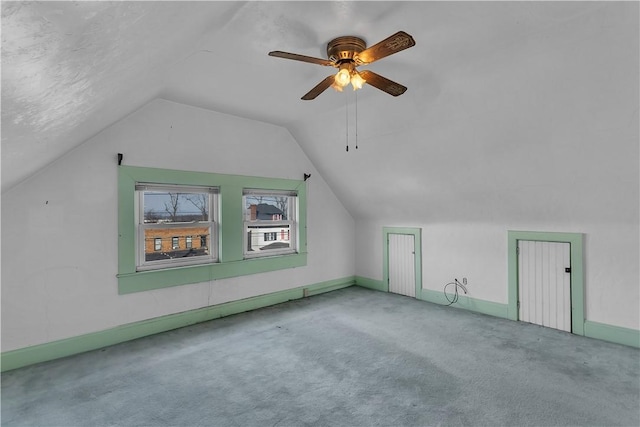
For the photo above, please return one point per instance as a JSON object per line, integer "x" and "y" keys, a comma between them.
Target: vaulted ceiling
{"x": 509, "y": 104}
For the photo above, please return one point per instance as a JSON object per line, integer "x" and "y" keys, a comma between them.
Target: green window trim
{"x": 230, "y": 236}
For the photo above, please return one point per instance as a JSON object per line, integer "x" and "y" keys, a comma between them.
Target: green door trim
{"x": 417, "y": 248}
{"x": 577, "y": 272}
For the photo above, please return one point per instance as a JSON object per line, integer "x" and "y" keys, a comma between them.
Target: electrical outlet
{"x": 464, "y": 281}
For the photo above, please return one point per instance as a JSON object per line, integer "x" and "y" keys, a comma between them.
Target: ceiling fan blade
{"x": 382, "y": 83}
{"x": 392, "y": 44}
{"x": 303, "y": 58}
{"x": 320, "y": 87}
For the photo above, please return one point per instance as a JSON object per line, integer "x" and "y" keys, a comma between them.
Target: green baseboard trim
{"x": 465, "y": 302}
{"x": 328, "y": 286}
{"x": 69, "y": 346}
{"x": 614, "y": 334}
{"x": 437, "y": 297}
{"x": 601, "y": 331}
{"x": 376, "y": 285}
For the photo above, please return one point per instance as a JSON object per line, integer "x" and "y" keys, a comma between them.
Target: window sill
{"x": 175, "y": 276}
{"x": 269, "y": 254}
{"x": 180, "y": 263}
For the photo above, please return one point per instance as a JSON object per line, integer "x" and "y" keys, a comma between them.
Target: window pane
{"x": 265, "y": 238}
{"x": 165, "y": 244}
{"x": 266, "y": 208}
{"x": 165, "y": 207}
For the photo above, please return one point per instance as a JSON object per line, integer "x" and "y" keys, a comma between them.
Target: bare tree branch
{"x": 172, "y": 206}
{"x": 201, "y": 202}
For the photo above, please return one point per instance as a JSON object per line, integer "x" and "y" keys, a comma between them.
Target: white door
{"x": 544, "y": 283}
{"x": 402, "y": 271}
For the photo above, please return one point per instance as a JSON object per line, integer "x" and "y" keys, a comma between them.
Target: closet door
{"x": 544, "y": 283}
{"x": 402, "y": 276}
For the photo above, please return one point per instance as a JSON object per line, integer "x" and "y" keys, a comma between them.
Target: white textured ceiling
{"x": 497, "y": 91}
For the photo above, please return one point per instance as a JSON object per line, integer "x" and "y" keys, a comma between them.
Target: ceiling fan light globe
{"x": 337, "y": 87}
{"x": 342, "y": 77}
{"x": 357, "y": 81}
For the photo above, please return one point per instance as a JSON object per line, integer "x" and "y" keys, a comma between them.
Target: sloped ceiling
{"x": 512, "y": 107}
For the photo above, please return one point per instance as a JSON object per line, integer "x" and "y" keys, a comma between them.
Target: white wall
{"x": 478, "y": 251}
{"x": 59, "y": 228}
{"x": 537, "y": 132}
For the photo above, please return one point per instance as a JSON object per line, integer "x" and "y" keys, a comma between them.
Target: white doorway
{"x": 402, "y": 264}
{"x": 544, "y": 283}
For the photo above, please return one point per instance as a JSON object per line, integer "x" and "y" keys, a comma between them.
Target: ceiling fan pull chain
{"x": 346, "y": 108}
{"x": 356, "y": 93}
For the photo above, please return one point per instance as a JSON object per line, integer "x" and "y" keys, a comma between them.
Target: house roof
{"x": 267, "y": 209}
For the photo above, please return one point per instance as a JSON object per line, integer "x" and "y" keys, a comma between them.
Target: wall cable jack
{"x": 456, "y": 284}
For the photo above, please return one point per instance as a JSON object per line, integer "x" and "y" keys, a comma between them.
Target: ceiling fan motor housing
{"x": 343, "y": 49}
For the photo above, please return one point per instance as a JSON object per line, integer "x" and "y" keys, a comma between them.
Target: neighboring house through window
{"x": 270, "y": 222}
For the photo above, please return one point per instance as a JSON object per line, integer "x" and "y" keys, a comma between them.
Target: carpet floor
{"x": 352, "y": 357}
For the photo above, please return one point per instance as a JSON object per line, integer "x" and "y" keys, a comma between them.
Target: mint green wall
{"x": 60, "y": 249}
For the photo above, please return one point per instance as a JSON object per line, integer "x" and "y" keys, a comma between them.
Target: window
{"x": 270, "y": 222}
{"x": 189, "y": 242}
{"x": 219, "y": 239}
{"x": 174, "y": 212}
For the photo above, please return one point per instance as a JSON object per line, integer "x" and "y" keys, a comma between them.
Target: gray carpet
{"x": 352, "y": 357}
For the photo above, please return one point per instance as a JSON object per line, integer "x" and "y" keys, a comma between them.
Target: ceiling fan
{"x": 348, "y": 52}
